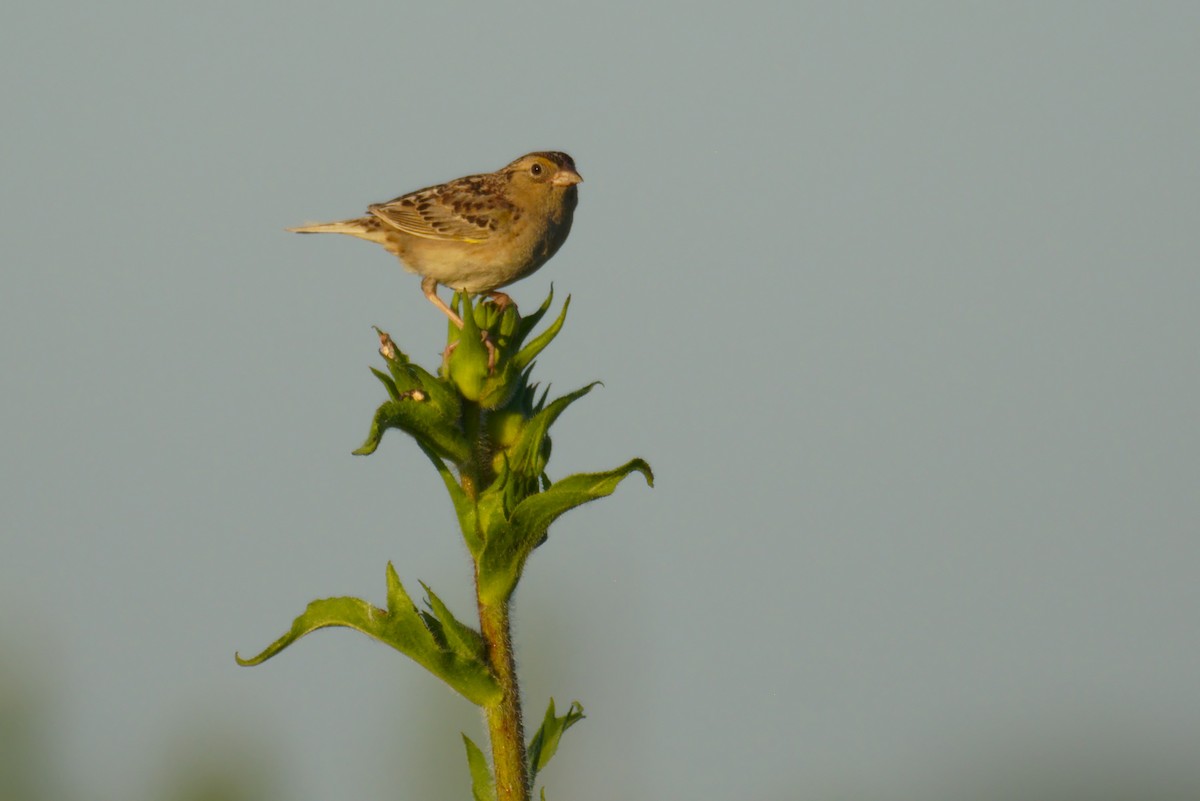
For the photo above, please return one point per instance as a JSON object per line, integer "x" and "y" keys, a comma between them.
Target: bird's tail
{"x": 354, "y": 227}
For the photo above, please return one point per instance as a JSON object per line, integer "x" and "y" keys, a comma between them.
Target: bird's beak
{"x": 566, "y": 178}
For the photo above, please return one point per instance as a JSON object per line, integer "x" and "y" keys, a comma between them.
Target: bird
{"x": 477, "y": 233}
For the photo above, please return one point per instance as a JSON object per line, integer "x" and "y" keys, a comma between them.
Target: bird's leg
{"x": 502, "y": 300}
{"x": 429, "y": 287}
{"x": 491, "y": 349}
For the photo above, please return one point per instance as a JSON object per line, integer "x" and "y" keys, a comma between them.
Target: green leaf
{"x": 482, "y": 787}
{"x": 467, "y": 366}
{"x": 409, "y": 376}
{"x": 527, "y": 453}
{"x": 492, "y": 516}
{"x": 505, "y": 552}
{"x": 388, "y": 383}
{"x": 537, "y": 512}
{"x": 530, "y": 351}
{"x": 530, "y": 321}
{"x": 461, "y": 638}
{"x": 463, "y": 507}
{"x": 545, "y": 742}
{"x": 428, "y": 423}
{"x": 402, "y": 627}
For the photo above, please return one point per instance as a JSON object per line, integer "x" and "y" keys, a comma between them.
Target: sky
{"x": 899, "y": 300}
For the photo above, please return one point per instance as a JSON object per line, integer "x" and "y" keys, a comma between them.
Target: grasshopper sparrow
{"x": 478, "y": 233}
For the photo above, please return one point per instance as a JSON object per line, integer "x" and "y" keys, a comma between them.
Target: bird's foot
{"x": 501, "y": 299}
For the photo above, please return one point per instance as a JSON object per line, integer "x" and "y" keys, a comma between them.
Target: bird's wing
{"x": 467, "y": 210}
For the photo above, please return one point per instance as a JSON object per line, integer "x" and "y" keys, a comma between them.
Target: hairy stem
{"x": 471, "y": 472}
{"x": 504, "y": 718}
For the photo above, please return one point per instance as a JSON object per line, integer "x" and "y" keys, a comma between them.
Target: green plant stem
{"x": 504, "y": 718}
{"x": 472, "y": 472}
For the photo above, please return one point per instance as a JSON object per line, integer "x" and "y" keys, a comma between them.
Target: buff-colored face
{"x": 549, "y": 169}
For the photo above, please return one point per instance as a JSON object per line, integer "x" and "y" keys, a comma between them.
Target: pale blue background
{"x": 900, "y": 300}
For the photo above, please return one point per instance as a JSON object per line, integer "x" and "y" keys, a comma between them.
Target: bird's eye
{"x": 535, "y": 170}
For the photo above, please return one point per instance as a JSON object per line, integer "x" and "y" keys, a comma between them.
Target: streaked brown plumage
{"x": 478, "y": 233}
